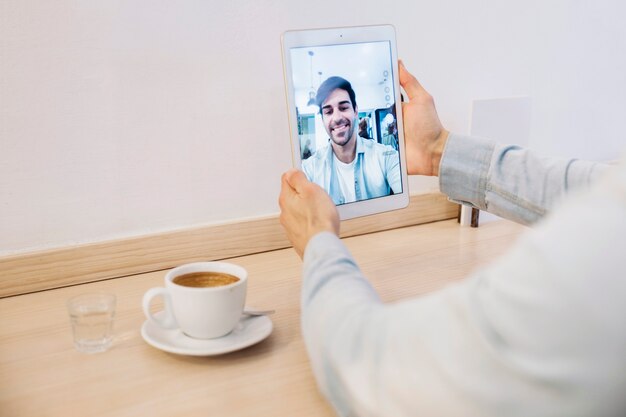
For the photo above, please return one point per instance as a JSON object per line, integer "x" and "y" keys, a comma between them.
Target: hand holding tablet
{"x": 345, "y": 116}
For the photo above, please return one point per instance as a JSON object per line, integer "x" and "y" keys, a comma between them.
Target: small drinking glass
{"x": 92, "y": 316}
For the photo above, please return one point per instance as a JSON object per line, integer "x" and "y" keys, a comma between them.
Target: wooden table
{"x": 42, "y": 375}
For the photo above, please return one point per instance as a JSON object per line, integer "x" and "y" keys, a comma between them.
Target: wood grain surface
{"x": 42, "y": 375}
{"x": 56, "y": 268}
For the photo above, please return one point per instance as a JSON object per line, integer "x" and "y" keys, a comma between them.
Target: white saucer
{"x": 249, "y": 330}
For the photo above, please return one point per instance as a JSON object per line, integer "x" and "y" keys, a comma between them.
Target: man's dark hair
{"x": 330, "y": 85}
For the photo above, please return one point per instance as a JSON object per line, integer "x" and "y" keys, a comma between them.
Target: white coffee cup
{"x": 200, "y": 312}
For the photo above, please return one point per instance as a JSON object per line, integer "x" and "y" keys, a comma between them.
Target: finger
{"x": 286, "y": 190}
{"x": 283, "y": 178}
{"x": 410, "y": 84}
{"x": 296, "y": 180}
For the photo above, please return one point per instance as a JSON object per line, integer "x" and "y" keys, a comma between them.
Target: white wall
{"x": 120, "y": 118}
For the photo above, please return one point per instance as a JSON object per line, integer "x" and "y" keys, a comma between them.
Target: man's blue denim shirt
{"x": 376, "y": 171}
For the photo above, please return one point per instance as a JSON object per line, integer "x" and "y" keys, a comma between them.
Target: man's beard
{"x": 344, "y": 139}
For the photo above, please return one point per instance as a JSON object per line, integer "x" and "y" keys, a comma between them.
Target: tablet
{"x": 345, "y": 115}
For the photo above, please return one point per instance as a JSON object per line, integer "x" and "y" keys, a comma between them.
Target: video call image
{"x": 346, "y": 117}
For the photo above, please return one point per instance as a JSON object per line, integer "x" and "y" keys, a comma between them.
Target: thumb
{"x": 410, "y": 84}
{"x": 296, "y": 180}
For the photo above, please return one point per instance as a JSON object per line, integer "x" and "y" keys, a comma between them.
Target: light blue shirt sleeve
{"x": 541, "y": 331}
{"x": 509, "y": 181}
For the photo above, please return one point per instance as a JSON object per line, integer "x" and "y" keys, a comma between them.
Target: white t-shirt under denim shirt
{"x": 345, "y": 178}
{"x": 540, "y": 332}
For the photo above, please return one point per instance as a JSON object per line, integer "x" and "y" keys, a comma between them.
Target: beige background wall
{"x": 121, "y": 118}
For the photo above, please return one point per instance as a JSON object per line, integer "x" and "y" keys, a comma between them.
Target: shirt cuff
{"x": 464, "y": 168}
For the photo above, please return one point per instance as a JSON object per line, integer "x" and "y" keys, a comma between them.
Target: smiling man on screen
{"x": 350, "y": 168}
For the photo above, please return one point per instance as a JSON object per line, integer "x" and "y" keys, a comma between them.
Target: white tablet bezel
{"x": 340, "y": 36}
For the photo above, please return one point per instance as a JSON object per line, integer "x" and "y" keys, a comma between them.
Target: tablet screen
{"x": 347, "y": 126}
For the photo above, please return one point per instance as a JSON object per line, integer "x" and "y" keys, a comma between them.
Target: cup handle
{"x": 167, "y": 321}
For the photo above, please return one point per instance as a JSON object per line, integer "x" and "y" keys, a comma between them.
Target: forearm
{"x": 507, "y": 180}
{"x": 336, "y": 301}
{"x": 426, "y": 356}
{"x": 384, "y": 360}
{"x": 540, "y": 332}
